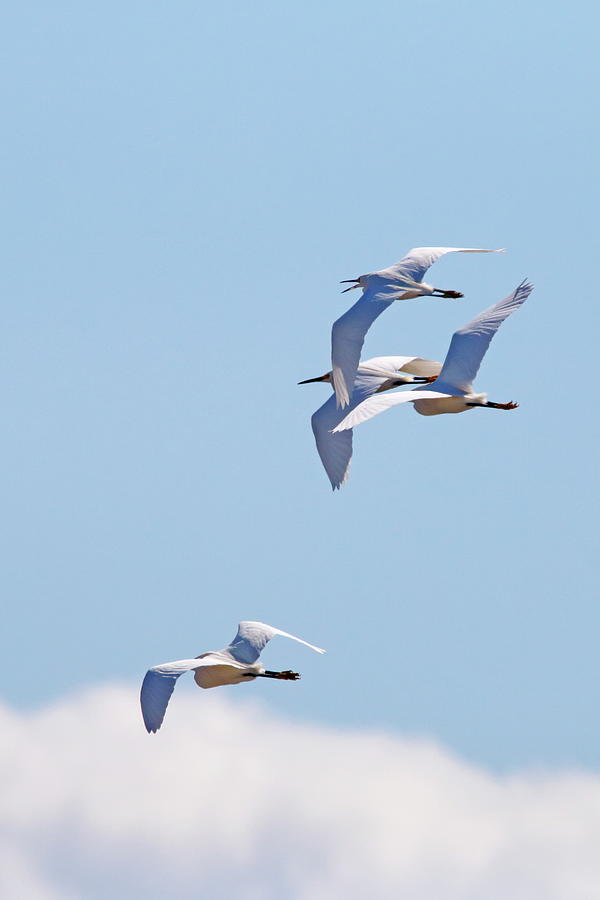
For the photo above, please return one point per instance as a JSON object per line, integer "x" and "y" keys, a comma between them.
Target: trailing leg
{"x": 489, "y": 405}
{"x": 287, "y": 675}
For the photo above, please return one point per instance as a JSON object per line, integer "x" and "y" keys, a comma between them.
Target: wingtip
{"x": 149, "y": 726}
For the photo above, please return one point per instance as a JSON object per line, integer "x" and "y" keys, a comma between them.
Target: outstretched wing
{"x": 252, "y": 637}
{"x": 413, "y": 266}
{"x": 157, "y": 687}
{"x": 347, "y": 338}
{"x": 469, "y": 344}
{"x": 379, "y": 403}
{"x": 335, "y": 450}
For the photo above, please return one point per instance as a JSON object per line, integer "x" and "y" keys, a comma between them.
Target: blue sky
{"x": 184, "y": 187}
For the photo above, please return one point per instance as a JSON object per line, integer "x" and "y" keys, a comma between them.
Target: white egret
{"x": 235, "y": 664}
{"x": 402, "y": 281}
{"x": 454, "y": 385}
{"x": 382, "y": 373}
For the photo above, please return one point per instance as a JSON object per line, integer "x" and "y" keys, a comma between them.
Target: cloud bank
{"x": 230, "y": 798}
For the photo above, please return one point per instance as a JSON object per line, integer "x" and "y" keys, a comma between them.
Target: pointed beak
{"x": 320, "y": 378}
{"x": 353, "y": 282}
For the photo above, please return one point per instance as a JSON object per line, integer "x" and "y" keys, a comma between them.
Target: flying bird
{"x": 382, "y": 373}
{"x": 454, "y": 385}
{"x": 402, "y": 281}
{"x": 234, "y": 664}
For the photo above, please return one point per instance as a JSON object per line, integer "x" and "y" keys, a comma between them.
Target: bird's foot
{"x": 454, "y": 295}
{"x": 288, "y": 675}
{"x": 510, "y": 405}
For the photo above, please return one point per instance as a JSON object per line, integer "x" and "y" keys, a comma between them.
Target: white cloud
{"x": 228, "y": 797}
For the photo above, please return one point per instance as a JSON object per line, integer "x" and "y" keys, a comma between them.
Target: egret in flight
{"x": 401, "y": 281}
{"x": 454, "y": 385}
{"x": 235, "y": 664}
{"x": 382, "y": 373}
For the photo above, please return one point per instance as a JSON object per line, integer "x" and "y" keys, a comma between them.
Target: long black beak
{"x": 352, "y": 281}
{"x": 320, "y": 378}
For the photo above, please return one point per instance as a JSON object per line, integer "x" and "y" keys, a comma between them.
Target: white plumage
{"x": 453, "y": 389}
{"x": 233, "y": 665}
{"x": 401, "y": 281}
{"x": 373, "y": 375}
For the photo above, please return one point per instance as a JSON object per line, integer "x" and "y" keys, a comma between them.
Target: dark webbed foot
{"x": 510, "y": 405}
{"x": 288, "y": 675}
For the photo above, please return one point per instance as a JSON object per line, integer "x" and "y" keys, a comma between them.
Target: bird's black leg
{"x": 439, "y": 292}
{"x": 489, "y": 405}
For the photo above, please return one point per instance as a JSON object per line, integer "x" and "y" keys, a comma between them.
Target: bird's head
{"x": 325, "y": 377}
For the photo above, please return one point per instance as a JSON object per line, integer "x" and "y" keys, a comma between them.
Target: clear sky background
{"x": 184, "y": 186}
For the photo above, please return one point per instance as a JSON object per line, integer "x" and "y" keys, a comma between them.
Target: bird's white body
{"x": 234, "y": 664}
{"x": 453, "y": 403}
{"x": 219, "y": 670}
{"x": 402, "y": 281}
{"x": 453, "y": 389}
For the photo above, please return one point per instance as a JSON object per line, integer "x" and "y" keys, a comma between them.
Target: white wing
{"x": 469, "y": 344}
{"x": 379, "y": 403}
{"x": 347, "y": 338}
{"x": 252, "y": 637}
{"x": 413, "y": 266}
{"x": 159, "y": 684}
{"x": 335, "y": 450}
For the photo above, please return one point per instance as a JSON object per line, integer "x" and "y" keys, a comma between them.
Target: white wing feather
{"x": 347, "y": 339}
{"x": 158, "y": 685}
{"x": 335, "y": 450}
{"x": 348, "y": 332}
{"x": 252, "y": 637}
{"x": 413, "y": 266}
{"x": 470, "y": 343}
{"x": 379, "y": 403}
